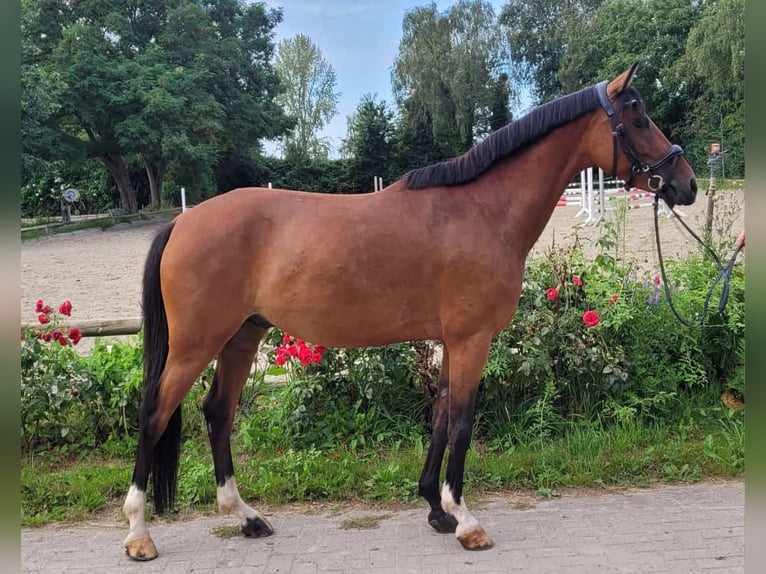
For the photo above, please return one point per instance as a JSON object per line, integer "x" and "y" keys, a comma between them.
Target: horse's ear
{"x": 621, "y": 82}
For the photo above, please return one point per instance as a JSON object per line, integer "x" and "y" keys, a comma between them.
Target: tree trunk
{"x": 155, "y": 173}
{"x": 116, "y": 167}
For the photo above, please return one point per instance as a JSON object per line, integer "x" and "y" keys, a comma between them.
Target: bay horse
{"x": 437, "y": 255}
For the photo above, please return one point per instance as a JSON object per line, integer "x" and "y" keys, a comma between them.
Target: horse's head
{"x": 636, "y": 149}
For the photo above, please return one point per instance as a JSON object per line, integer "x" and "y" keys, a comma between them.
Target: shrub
{"x": 352, "y": 397}
{"x": 637, "y": 361}
{"x": 68, "y": 401}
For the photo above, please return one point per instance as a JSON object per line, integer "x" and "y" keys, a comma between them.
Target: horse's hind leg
{"x": 231, "y": 373}
{"x": 176, "y": 380}
{"x": 428, "y": 486}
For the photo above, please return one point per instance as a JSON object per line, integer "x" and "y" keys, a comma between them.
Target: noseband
{"x": 656, "y": 181}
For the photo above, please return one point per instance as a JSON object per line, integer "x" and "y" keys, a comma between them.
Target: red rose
{"x": 316, "y": 357}
{"x": 39, "y": 306}
{"x": 320, "y": 349}
{"x": 304, "y": 355}
{"x": 281, "y": 359}
{"x": 292, "y": 350}
{"x": 75, "y": 335}
{"x": 590, "y": 318}
{"x": 62, "y": 341}
{"x": 552, "y": 293}
{"x": 614, "y": 298}
{"x": 46, "y": 309}
{"x": 577, "y": 281}
{"x": 66, "y": 308}
{"x": 56, "y": 335}
{"x": 43, "y": 318}
{"x": 46, "y": 336}
{"x": 287, "y": 339}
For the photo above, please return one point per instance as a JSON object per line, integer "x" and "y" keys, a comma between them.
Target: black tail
{"x": 167, "y": 449}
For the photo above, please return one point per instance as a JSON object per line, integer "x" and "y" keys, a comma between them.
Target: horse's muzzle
{"x": 679, "y": 193}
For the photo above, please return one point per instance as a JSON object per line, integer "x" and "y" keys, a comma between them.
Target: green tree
{"x": 414, "y": 142}
{"x": 447, "y": 64}
{"x": 538, "y": 33}
{"x": 711, "y": 74}
{"x": 164, "y": 82}
{"x": 309, "y": 97}
{"x": 598, "y": 49}
{"x": 369, "y": 143}
{"x": 500, "y": 110}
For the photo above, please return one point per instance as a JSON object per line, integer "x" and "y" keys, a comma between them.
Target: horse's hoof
{"x": 257, "y": 528}
{"x": 442, "y": 522}
{"x": 475, "y": 538}
{"x": 141, "y": 549}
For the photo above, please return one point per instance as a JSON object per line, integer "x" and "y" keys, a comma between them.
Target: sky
{"x": 360, "y": 39}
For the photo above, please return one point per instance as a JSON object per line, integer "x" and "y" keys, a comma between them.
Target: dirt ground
{"x": 100, "y": 271}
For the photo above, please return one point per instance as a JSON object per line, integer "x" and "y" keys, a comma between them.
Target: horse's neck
{"x": 527, "y": 186}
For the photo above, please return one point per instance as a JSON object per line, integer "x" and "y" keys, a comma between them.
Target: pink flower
{"x": 577, "y": 281}
{"x": 552, "y": 293}
{"x": 287, "y": 339}
{"x": 590, "y": 318}
{"x": 281, "y": 359}
{"x": 656, "y": 279}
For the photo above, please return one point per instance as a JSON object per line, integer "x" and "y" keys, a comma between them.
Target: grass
{"x": 224, "y": 532}
{"x": 367, "y": 522}
{"x": 588, "y": 455}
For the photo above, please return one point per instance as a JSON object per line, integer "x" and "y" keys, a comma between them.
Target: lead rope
{"x": 724, "y": 273}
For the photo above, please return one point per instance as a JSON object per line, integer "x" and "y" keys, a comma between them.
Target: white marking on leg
{"x": 134, "y": 507}
{"x": 465, "y": 520}
{"x": 230, "y": 502}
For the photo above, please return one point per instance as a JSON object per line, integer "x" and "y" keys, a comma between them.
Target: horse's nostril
{"x": 693, "y": 185}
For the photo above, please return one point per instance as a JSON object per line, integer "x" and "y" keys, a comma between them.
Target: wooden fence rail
{"x": 99, "y": 327}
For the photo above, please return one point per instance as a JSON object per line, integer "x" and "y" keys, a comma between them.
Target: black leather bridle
{"x": 657, "y": 184}
{"x": 656, "y": 181}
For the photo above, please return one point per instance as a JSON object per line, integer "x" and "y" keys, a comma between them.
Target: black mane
{"x": 508, "y": 139}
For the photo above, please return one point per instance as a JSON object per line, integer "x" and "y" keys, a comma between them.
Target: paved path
{"x": 674, "y": 529}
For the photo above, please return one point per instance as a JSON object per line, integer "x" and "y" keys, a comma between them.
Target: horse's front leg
{"x": 466, "y": 363}
{"x": 428, "y": 486}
